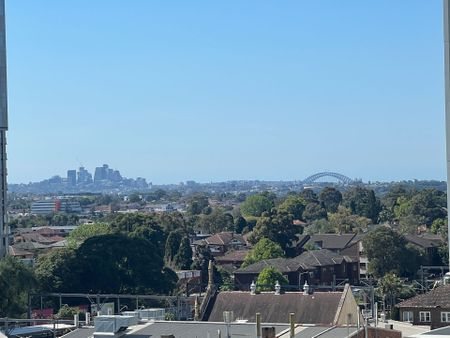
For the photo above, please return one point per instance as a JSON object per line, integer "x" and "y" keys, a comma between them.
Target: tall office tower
{"x": 4, "y": 232}
{"x": 71, "y": 178}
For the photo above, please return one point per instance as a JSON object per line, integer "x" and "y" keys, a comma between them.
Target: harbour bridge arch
{"x": 342, "y": 178}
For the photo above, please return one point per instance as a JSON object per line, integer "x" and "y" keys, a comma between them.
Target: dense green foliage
{"x": 255, "y": 205}
{"x": 267, "y": 279}
{"x": 111, "y": 263}
{"x": 330, "y": 198}
{"x": 85, "y": 231}
{"x": 362, "y": 202}
{"x": 16, "y": 281}
{"x": 277, "y": 226}
{"x": 264, "y": 249}
{"x": 388, "y": 252}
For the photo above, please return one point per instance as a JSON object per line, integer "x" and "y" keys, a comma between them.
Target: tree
{"x": 183, "y": 258}
{"x": 309, "y": 196}
{"x": 197, "y": 204}
{"x": 314, "y": 211}
{"x": 268, "y": 277}
{"x": 172, "y": 246}
{"x": 320, "y": 226}
{"x": 85, "y": 231}
{"x": 57, "y": 271}
{"x": 240, "y": 224}
{"x": 343, "y": 221}
{"x": 277, "y": 226}
{"x": 264, "y": 249}
{"x": 119, "y": 264}
{"x": 387, "y": 252}
{"x": 217, "y": 221}
{"x": 134, "y": 198}
{"x": 362, "y": 201}
{"x": 139, "y": 225}
{"x": 255, "y": 205}
{"x": 426, "y": 205}
{"x": 293, "y": 205}
{"x": 390, "y": 286}
{"x": 201, "y": 261}
{"x": 330, "y": 198}
{"x": 16, "y": 281}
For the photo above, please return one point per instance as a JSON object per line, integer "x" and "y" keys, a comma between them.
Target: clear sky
{"x": 219, "y": 90}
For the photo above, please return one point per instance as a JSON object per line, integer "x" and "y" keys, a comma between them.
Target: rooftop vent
{"x": 112, "y": 325}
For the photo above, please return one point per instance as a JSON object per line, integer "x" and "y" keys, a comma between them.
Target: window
{"x": 408, "y": 316}
{"x": 445, "y": 317}
{"x": 425, "y": 316}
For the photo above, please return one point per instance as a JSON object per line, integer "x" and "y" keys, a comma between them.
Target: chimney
{"x": 447, "y": 278}
{"x": 210, "y": 274}
{"x": 277, "y": 288}
{"x": 306, "y": 288}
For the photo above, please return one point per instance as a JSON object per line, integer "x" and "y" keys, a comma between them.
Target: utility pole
{"x": 447, "y": 101}
{"x": 4, "y": 232}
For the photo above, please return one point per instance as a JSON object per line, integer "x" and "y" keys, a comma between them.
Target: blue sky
{"x": 211, "y": 91}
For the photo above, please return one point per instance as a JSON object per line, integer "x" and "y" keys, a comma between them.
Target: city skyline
{"x": 215, "y": 92}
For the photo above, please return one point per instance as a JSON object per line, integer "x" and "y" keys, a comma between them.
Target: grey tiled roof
{"x": 438, "y": 297}
{"x": 316, "y": 308}
{"x": 307, "y": 260}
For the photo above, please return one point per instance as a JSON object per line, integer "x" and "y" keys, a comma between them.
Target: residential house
{"x": 318, "y": 267}
{"x": 431, "y": 308}
{"x": 232, "y": 260}
{"x": 319, "y": 308}
{"x": 222, "y": 242}
{"x": 429, "y": 244}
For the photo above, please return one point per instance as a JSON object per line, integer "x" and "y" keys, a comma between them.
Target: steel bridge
{"x": 342, "y": 178}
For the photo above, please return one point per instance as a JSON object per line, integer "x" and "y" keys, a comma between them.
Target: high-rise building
{"x": 3, "y": 128}
{"x": 71, "y": 178}
{"x": 101, "y": 173}
{"x": 84, "y": 176}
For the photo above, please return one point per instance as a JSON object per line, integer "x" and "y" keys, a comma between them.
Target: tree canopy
{"x": 16, "y": 280}
{"x": 255, "y": 205}
{"x": 268, "y": 277}
{"x": 264, "y": 249}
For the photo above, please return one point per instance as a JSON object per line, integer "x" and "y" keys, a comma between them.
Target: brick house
{"x": 222, "y": 242}
{"x": 317, "y": 267}
{"x": 431, "y": 308}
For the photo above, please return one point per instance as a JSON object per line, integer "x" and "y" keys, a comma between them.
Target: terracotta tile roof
{"x": 224, "y": 238}
{"x": 317, "y": 308}
{"x": 438, "y": 297}
{"x": 15, "y": 251}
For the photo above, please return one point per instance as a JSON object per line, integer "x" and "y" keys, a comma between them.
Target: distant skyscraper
{"x": 84, "y": 176}
{"x": 3, "y": 129}
{"x": 71, "y": 178}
